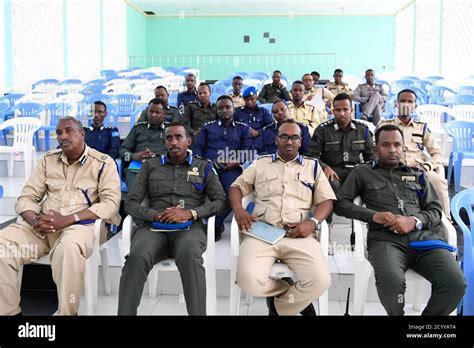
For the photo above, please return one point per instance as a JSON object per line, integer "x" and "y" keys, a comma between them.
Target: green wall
{"x": 353, "y": 43}
{"x": 136, "y": 32}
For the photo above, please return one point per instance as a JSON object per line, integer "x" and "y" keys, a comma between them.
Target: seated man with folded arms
{"x": 266, "y": 142}
{"x": 68, "y": 190}
{"x": 401, "y": 208}
{"x": 179, "y": 187}
{"x": 287, "y": 187}
{"x": 372, "y": 97}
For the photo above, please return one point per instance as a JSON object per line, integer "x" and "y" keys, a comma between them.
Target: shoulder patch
{"x": 264, "y": 156}
{"x": 52, "y": 152}
{"x": 326, "y": 124}
{"x": 241, "y": 123}
{"x": 140, "y": 123}
{"x": 98, "y": 155}
{"x": 209, "y": 123}
{"x": 202, "y": 158}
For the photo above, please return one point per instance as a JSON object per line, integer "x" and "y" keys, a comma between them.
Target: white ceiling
{"x": 270, "y": 7}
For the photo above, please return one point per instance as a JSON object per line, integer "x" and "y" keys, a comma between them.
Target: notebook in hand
{"x": 266, "y": 232}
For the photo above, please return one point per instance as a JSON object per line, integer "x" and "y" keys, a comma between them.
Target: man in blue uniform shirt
{"x": 266, "y": 144}
{"x": 100, "y": 138}
{"x": 225, "y": 142}
{"x": 252, "y": 115}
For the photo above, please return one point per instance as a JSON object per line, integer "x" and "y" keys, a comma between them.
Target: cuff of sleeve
{"x": 421, "y": 217}
{"x": 150, "y": 214}
{"x": 368, "y": 215}
{"x": 29, "y": 206}
{"x": 201, "y": 212}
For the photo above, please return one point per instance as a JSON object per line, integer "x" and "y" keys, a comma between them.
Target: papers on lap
{"x": 266, "y": 232}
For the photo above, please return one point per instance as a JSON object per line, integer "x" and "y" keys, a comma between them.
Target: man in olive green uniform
{"x": 401, "y": 207}
{"x": 69, "y": 189}
{"x": 179, "y": 187}
{"x": 274, "y": 91}
{"x": 287, "y": 187}
{"x": 341, "y": 144}
{"x": 171, "y": 112}
{"x": 421, "y": 149}
{"x": 145, "y": 140}
{"x": 200, "y": 112}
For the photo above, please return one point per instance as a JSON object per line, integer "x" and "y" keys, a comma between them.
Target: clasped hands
{"x": 174, "y": 215}
{"x": 396, "y": 223}
{"x": 51, "y": 222}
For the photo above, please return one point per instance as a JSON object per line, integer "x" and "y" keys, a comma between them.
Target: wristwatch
{"x": 76, "y": 218}
{"x": 418, "y": 224}
{"x": 194, "y": 214}
{"x": 317, "y": 224}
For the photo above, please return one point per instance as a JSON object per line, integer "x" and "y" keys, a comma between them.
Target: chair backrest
{"x": 462, "y": 133}
{"x": 23, "y": 130}
{"x": 28, "y": 109}
{"x": 464, "y": 199}
{"x": 433, "y": 79}
{"x": 4, "y": 106}
{"x": 173, "y": 99}
{"x": 126, "y": 102}
{"x": 218, "y": 89}
{"x": 104, "y": 98}
{"x": 253, "y": 83}
{"x": 463, "y": 112}
{"x": 423, "y": 85}
{"x": 465, "y": 90}
{"x": 464, "y": 99}
{"x": 437, "y": 94}
{"x": 56, "y": 111}
{"x": 433, "y": 115}
{"x": 225, "y": 82}
{"x": 144, "y": 92}
{"x": 95, "y": 82}
{"x": 41, "y": 98}
{"x": 93, "y": 89}
{"x": 398, "y": 85}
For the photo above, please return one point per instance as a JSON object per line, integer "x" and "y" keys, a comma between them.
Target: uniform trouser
{"x": 68, "y": 250}
{"x": 149, "y": 248}
{"x": 440, "y": 185}
{"x": 374, "y": 107}
{"x": 226, "y": 177}
{"x": 391, "y": 260}
{"x": 302, "y": 255}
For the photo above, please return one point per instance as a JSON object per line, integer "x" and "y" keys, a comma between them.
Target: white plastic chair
{"x": 278, "y": 271}
{"x": 72, "y": 99}
{"x": 40, "y": 98}
{"x": 195, "y": 72}
{"x": 175, "y": 83}
{"x": 433, "y": 115}
{"x": 24, "y": 129}
{"x": 170, "y": 265}
{"x": 363, "y": 268}
{"x": 91, "y": 276}
{"x": 463, "y": 112}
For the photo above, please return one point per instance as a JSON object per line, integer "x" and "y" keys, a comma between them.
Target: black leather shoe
{"x": 271, "y": 307}
{"x": 308, "y": 311}
{"x": 218, "y": 233}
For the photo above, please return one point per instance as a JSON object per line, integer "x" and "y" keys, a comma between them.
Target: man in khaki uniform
{"x": 287, "y": 186}
{"x": 371, "y": 96}
{"x": 80, "y": 185}
{"x": 303, "y": 112}
{"x": 418, "y": 139}
{"x": 236, "y": 93}
{"x": 338, "y": 87}
{"x": 311, "y": 90}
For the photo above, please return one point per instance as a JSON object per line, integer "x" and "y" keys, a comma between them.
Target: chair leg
{"x": 248, "y": 299}
{"x": 90, "y": 283}
{"x": 361, "y": 283}
{"x": 10, "y": 164}
{"x": 234, "y": 294}
{"x": 27, "y": 158}
{"x": 450, "y": 168}
{"x": 104, "y": 259}
{"x": 457, "y": 171}
{"x": 323, "y": 304}
{"x": 211, "y": 296}
{"x": 153, "y": 282}
{"x": 47, "y": 140}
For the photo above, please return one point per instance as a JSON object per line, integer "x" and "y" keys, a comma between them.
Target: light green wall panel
{"x": 215, "y": 44}
{"x": 136, "y": 33}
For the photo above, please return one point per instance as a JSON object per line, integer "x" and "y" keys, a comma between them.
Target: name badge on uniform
{"x": 409, "y": 178}
{"x": 195, "y": 171}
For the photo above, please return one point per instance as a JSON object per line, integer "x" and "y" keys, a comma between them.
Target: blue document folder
{"x": 266, "y": 232}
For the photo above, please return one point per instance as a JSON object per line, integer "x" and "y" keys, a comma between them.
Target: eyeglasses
{"x": 285, "y": 138}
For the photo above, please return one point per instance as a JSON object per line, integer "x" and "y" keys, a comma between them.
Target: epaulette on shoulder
{"x": 140, "y": 123}
{"x": 193, "y": 102}
{"x": 241, "y": 123}
{"x": 310, "y": 158}
{"x": 98, "y": 155}
{"x": 359, "y": 123}
{"x": 263, "y": 156}
{"x": 210, "y": 122}
{"x": 268, "y": 126}
{"x": 112, "y": 128}
{"x": 202, "y": 158}
{"x": 52, "y": 152}
{"x": 326, "y": 124}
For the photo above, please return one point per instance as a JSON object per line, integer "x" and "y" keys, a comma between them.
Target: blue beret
{"x": 249, "y": 91}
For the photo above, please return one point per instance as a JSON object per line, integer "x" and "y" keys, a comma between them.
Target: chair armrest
{"x": 126, "y": 236}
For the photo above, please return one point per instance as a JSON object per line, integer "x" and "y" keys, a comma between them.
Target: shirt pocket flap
{"x": 267, "y": 176}
{"x": 376, "y": 185}
{"x": 55, "y": 184}
{"x": 332, "y": 146}
{"x": 195, "y": 179}
{"x": 358, "y": 145}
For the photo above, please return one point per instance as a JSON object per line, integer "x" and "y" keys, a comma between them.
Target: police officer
{"x": 69, "y": 189}
{"x": 254, "y": 116}
{"x": 199, "y": 112}
{"x": 418, "y": 138}
{"x": 287, "y": 187}
{"x": 180, "y": 187}
{"x": 145, "y": 140}
{"x": 338, "y": 87}
{"x": 103, "y": 139}
{"x": 401, "y": 207}
{"x": 171, "y": 113}
{"x": 274, "y": 91}
{"x": 304, "y": 112}
{"x": 184, "y": 98}
{"x": 371, "y": 96}
{"x": 236, "y": 93}
{"x": 227, "y": 143}
{"x": 266, "y": 142}
{"x": 341, "y": 144}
